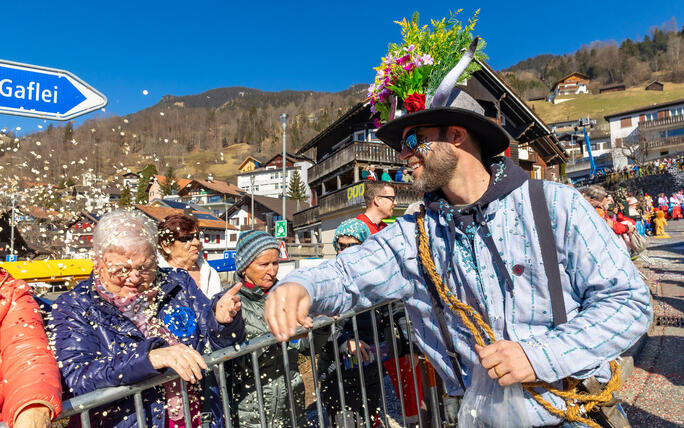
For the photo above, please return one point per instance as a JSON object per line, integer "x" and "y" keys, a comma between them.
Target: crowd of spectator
{"x": 401, "y": 176}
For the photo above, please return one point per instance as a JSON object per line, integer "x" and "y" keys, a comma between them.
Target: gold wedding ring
{"x": 496, "y": 372}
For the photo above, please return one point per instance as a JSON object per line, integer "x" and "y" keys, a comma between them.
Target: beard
{"x": 438, "y": 168}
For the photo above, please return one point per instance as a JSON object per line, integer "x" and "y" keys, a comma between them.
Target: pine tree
{"x": 170, "y": 185}
{"x": 148, "y": 171}
{"x": 296, "y": 188}
{"x": 126, "y": 198}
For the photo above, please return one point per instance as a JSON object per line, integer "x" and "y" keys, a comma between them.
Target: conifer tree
{"x": 170, "y": 185}
{"x": 296, "y": 188}
{"x": 148, "y": 171}
{"x": 126, "y": 197}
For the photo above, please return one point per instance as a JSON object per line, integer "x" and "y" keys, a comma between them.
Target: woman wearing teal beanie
{"x": 256, "y": 263}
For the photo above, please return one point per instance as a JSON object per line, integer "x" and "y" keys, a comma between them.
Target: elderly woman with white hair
{"x": 131, "y": 320}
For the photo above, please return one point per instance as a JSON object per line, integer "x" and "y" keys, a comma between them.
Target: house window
{"x": 233, "y": 237}
{"x": 662, "y": 114}
{"x": 642, "y": 118}
{"x": 206, "y": 238}
{"x": 218, "y": 239}
{"x": 360, "y": 135}
{"x": 618, "y": 143}
{"x": 626, "y": 122}
{"x": 537, "y": 172}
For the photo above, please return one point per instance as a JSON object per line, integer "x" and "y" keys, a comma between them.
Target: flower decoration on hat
{"x": 410, "y": 75}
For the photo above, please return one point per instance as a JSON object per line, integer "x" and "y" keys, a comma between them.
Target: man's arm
{"x": 360, "y": 277}
{"x": 615, "y": 303}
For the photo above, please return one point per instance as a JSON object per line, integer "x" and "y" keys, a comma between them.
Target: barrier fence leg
{"x": 362, "y": 380}
{"x": 85, "y": 419}
{"x": 381, "y": 372}
{"x": 227, "y": 419}
{"x": 139, "y": 409}
{"x": 186, "y": 404}
{"x": 288, "y": 382}
{"x": 257, "y": 385}
{"x": 400, "y": 391}
{"x": 409, "y": 333}
{"x": 340, "y": 386}
{"x": 314, "y": 371}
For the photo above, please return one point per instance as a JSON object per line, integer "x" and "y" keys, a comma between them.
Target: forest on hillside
{"x": 167, "y": 133}
{"x": 657, "y": 56}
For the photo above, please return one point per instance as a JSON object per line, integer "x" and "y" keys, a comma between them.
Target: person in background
{"x": 256, "y": 263}
{"x": 399, "y": 176}
{"x": 372, "y": 175}
{"x": 659, "y": 222}
{"x": 130, "y": 321}
{"x": 180, "y": 247}
{"x": 30, "y": 394}
{"x": 380, "y": 200}
{"x": 386, "y": 176}
{"x": 408, "y": 178}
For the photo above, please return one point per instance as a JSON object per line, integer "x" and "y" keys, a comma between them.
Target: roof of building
{"x": 291, "y": 157}
{"x": 272, "y": 204}
{"x": 655, "y": 82}
{"x": 534, "y": 131}
{"x": 39, "y": 213}
{"x": 574, "y": 73}
{"x": 182, "y": 182}
{"x": 247, "y": 159}
{"x": 205, "y": 219}
{"x": 645, "y": 108}
{"x": 217, "y": 186}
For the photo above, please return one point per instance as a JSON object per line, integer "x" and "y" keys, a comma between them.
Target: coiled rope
{"x": 578, "y": 403}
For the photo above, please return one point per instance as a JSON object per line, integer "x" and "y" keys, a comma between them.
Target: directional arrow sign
{"x": 46, "y": 93}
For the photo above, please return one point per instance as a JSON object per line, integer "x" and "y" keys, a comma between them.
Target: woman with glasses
{"x": 131, "y": 321}
{"x": 179, "y": 247}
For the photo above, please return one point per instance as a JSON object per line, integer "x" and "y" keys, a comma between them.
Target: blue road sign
{"x": 46, "y": 93}
{"x": 11, "y": 258}
{"x": 226, "y": 264}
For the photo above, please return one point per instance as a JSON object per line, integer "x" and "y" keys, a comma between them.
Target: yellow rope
{"x": 577, "y": 403}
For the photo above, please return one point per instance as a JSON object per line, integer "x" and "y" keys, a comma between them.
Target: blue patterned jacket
{"x": 608, "y": 305}
{"x": 97, "y": 347}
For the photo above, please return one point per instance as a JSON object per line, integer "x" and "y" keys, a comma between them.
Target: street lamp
{"x": 283, "y": 123}
{"x": 252, "y": 177}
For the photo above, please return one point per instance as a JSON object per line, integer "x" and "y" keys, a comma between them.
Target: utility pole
{"x": 12, "y": 228}
{"x": 251, "y": 188}
{"x": 283, "y": 123}
{"x": 226, "y": 236}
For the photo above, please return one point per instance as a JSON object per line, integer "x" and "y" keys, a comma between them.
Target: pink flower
{"x": 377, "y": 123}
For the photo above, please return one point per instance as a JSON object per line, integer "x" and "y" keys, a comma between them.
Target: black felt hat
{"x": 493, "y": 139}
{"x": 451, "y": 105}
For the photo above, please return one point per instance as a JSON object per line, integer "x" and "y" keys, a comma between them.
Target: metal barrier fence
{"x": 84, "y": 403}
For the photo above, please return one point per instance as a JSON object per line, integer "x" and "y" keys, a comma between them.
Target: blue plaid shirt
{"x": 608, "y": 305}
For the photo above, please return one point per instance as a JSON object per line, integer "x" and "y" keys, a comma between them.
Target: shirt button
{"x": 484, "y": 223}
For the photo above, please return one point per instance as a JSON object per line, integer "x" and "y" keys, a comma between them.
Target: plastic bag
{"x": 486, "y": 404}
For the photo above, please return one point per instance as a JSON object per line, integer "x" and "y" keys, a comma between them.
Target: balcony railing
{"x": 306, "y": 217}
{"x": 359, "y": 151}
{"x": 351, "y": 196}
{"x": 664, "y": 121}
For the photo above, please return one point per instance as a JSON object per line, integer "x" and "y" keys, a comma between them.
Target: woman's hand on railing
{"x": 363, "y": 347}
{"x": 37, "y": 416}
{"x": 185, "y": 361}
{"x": 287, "y": 307}
{"x": 228, "y": 305}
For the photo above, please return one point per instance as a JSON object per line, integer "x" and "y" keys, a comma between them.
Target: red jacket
{"x": 27, "y": 365}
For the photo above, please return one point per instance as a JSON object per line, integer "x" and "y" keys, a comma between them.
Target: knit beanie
{"x": 250, "y": 245}
{"x": 353, "y": 228}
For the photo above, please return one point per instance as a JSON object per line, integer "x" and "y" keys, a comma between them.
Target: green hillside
{"x": 599, "y": 105}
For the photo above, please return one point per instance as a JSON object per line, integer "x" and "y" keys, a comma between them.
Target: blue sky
{"x": 172, "y": 47}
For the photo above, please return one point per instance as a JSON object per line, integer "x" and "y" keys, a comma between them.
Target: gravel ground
{"x": 654, "y": 394}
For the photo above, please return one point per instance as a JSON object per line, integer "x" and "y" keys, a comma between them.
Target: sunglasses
{"x": 391, "y": 198}
{"x": 343, "y": 247}
{"x": 190, "y": 237}
{"x": 410, "y": 141}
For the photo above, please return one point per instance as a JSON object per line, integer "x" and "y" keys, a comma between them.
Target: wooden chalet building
{"x": 349, "y": 144}
{"x": 612, "y": 88}
{"x": 655, "y": 86}
{"x": 573, "y": 84}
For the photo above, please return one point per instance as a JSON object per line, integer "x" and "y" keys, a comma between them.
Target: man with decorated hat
{"x": 503, "y": 277}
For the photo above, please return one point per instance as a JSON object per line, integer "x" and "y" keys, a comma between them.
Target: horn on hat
{"x": 451, "y": 79}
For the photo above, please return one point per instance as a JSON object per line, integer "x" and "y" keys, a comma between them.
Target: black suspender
{"x": 547, "y": 244}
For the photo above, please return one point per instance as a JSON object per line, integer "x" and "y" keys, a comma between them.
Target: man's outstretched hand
{"x": 287, "y": 307}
